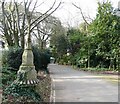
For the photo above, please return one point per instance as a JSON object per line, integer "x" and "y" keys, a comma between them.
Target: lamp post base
{"x": 27, "y": 75}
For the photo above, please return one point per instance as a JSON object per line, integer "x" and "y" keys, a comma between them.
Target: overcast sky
{"x": 68, "y": 14}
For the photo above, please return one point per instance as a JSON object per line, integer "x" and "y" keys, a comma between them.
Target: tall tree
{"x": 13, "y": 21}
{"x": 105, "y": 29}
{"x": 44, "y": 31}
{"x": 58, "y": 40}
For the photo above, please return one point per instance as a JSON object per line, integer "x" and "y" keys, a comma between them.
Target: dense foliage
{"x": 106, "y": 35}
{"x": 15, "y": 93}
{"x": 14, "y": 58}
{"x": 96, "y": 44}
{"x": 59, "y": 45}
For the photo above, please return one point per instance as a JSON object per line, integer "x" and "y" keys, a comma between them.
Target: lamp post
{"x": 27, "y": 74}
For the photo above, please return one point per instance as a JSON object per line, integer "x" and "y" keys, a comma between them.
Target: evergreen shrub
{"x": 41, "y": 59}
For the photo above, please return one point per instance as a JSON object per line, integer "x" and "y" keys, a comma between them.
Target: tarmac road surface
{"x": 69, "y": 85}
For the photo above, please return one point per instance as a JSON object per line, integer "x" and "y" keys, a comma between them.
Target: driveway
{"x": 69, "y": 85}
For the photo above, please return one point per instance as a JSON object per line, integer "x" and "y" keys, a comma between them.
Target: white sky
{"x": 70, "y": 15}
{"x": 67, "y": 13}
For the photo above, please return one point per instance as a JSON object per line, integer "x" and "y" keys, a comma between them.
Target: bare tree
{"x": 5, "y": 27}
{"x": 44, "y": 31}
{"x": 84, "y": 17}
{"x": 15, "y": 24}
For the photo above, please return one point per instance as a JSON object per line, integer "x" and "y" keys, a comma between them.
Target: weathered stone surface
{"x": 27, "y": 72}
{"x": 27, "y": 57}
{"x": 27, "y": 75}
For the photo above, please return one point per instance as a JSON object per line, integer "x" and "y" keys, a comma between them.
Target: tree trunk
{"x": 115, "y": 65}
{"x": 42, "y": 45}
{"x": 88, "y": 59}
{"x": 7, "y": 36}
{"x": 22, "y": 41}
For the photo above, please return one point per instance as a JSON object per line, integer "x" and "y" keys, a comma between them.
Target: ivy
{"x": 21, "y": 93}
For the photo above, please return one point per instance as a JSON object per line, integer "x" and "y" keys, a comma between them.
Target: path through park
{"x": 69, "y": 85}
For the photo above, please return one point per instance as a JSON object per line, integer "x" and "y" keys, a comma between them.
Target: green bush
{"x": 41, "y": 58}
{"x": 14, "y": 58}
{"x": 4, "y": 57}
{"x": 8, "y": 76}
{"x": 45, "y": 60}
{"x": 37, "y": 58}
{"x": 16, "y": 93}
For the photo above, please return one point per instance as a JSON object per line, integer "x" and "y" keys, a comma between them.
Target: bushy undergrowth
{"x": 8, "y": 76}
{"x": 12, "y": 92}
{"x": 13, "y": 58}
{"x": 41, "y": 59}
{"x": 15, "y": 93}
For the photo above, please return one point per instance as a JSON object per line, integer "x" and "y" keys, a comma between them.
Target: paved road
{"x": 70, "y": 85}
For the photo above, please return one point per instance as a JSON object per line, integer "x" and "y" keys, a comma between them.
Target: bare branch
{"x": 29, "y": 4}
{"x": 23, "y": 23}
{"x": 17, "y": 14}
{"x": 46, "y": 16}
{"x": 43, "y": 32}
{"x": 34, "y": 7}
{"x": 44, "y": 13}
{"x": 40, "y": 4}
{"x": 81, "y": 13}
{"x": 35, "y": 35}
{"x": 25, "y": 6}
{"x": 47, "y": 38}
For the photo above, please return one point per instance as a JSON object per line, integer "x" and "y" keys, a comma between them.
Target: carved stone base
{"x": 27, "y": 75}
